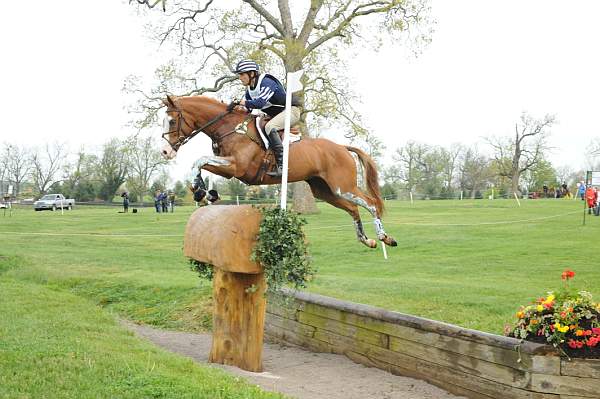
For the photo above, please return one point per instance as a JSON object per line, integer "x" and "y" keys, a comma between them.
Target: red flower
{"x": 587, "y": 332}
{"x": 572, "y": 344}
{"x": 568, "y": 274}
{"x": 596, "y": 330}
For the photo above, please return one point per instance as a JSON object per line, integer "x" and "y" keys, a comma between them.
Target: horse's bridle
{"x": 182, "y": 138}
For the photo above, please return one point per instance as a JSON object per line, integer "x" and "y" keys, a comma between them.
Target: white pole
{"x": 517, "y": 198}
{"x": 461, "y": 195}
{"x": 411, "y": 198}
{"x": 492, "y": 192}
{"x": 293, "y": 84}
{"x": 384, "y": 250}
{"x": 237, "y": 199}
{"x": 62, "y": 210}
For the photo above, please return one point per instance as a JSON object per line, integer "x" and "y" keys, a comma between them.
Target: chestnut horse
{"x": 328, "y": 168}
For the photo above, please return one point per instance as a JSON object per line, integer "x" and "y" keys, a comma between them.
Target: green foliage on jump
{"x": 282, "y": 250}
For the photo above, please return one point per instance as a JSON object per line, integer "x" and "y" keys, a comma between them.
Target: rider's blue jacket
{"x": 268, "y": 95}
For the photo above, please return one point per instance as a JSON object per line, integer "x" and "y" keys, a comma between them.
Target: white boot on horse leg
{"x": 381, "y": 235}
{"x": 362, "y": 237}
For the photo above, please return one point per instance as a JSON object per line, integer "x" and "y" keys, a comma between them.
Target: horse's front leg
{"x": 222, "y": 166}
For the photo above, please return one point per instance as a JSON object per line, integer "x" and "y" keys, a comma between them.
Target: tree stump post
{"x": 224, "y": 236}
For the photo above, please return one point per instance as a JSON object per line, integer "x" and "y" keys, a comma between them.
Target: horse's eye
{"x": 172, "y": 122}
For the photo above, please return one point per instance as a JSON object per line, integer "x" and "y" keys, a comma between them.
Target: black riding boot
{"x": 277, "y": 147}
{"x": 199, "y": 188}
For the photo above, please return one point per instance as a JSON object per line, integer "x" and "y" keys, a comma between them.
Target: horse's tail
{"x": 371, "y": 174}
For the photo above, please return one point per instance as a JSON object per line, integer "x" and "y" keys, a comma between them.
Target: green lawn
{"x": 470, "y": 263}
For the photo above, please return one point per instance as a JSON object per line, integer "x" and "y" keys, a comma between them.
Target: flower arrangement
{"x": 567, "y": 319}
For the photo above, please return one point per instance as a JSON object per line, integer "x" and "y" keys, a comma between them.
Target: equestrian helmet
{"x": 246, "y": 66}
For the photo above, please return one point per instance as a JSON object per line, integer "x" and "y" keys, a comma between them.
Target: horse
{"x": 328, "y": 168}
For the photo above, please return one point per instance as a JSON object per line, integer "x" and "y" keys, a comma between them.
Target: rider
{"x": 266, "y": 93}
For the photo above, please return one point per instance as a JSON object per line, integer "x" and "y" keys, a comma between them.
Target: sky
{"x": 64, "y": 64}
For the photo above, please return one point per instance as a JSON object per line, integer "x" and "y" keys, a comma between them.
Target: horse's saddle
{"x": 260, "y": 123}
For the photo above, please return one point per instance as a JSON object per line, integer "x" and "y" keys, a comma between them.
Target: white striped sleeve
{"x": 267, "y": 94}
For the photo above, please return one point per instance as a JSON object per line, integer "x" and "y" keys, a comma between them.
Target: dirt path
{"x": 302, "y": 374}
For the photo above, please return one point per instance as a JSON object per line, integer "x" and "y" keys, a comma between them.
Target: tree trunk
{"x": 514, "y": 184}
{"x": 303, "y": 200}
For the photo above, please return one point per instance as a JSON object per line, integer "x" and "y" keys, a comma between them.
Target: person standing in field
{"x": 125, "y": 196}
{"x": 172, "y": 201}
{"x": 581, "y": 190}
{"x": 157, "y": 201}
{"x": 591, "y": 195}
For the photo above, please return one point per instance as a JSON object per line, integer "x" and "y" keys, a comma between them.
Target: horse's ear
{"x": 169, "y": 101}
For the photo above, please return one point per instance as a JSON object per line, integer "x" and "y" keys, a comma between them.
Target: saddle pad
{"x": 265, "y": 140}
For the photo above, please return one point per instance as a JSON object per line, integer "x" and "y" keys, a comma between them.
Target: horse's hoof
{"x": 371, "y": 243}
{"x": 389, "y": 241}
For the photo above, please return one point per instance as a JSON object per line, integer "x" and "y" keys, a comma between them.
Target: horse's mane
{"x": 208, "y": 100}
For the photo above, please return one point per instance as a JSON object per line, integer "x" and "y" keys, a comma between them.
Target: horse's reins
{"x": 182, "y": 139}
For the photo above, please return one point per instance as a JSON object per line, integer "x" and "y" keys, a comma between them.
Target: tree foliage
{"x": 318, "y": 36}
{"x": 524, "y": 150}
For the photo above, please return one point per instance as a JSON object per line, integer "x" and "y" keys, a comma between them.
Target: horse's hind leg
{"x": 358, "y": 198}
{"x": 321, "y": 190}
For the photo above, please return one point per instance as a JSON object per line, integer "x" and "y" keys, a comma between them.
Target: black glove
{"x": 232, "y": 105}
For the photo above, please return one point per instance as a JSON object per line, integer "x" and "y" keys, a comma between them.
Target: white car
{"x": 53, "y": 202}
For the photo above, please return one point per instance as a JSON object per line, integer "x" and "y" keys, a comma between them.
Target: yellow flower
{"x": 579, "y": 333}
{"x": 539, "y": 308}
{"x": 563, "y": 329}
{"x": 520, "y": 315}
{"x": 549, "y": 299}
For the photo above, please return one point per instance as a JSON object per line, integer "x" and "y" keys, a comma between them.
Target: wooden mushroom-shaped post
{"x": 224, "y": 236}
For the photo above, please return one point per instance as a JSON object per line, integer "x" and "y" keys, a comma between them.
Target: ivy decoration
{"x": 204, "y": 270}
{"x": 282, "y": 250}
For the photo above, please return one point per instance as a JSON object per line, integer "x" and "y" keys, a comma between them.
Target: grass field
{"x": 470, "y": 263}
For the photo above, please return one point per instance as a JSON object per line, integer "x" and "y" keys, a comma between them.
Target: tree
{"x": 516, "y": 155}
{"x": 410, "y": 159}
{"x": 542, "y": 174}
{"x": 144, "y": 161}
{"x": 236, "y": 188}
{"x": 17, "y": 162}
{"x": 473, "y": 172}
{"x": 46, "y": 164}
{"x": 112, "y": 168}
{"x": 80, "y": 180}
{"x": 180, "y": 189}
{"x": 211, "y": 39}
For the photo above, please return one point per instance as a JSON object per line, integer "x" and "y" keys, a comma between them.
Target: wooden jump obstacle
{"x": 224, "y": 236}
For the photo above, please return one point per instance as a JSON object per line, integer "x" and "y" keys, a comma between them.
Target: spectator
{"x": 125, "y": 196}
{"x": 581, "y": 190}
{"x": 163, "y": 202}
{"x": 172, "y": 201}
{"x": 591, "y": 196}
{"x": 157, "y": 201}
